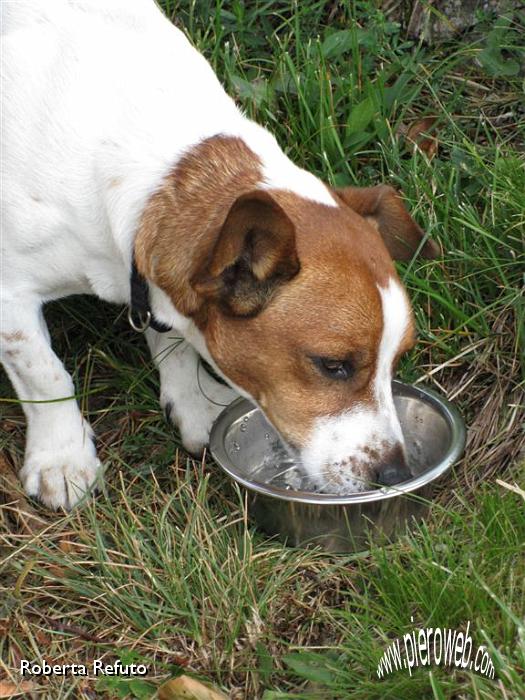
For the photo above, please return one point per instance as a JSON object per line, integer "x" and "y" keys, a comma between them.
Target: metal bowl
{"x": 435, "y": 438}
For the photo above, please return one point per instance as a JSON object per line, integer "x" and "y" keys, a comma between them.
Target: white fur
{"x": 335, "y": 455}
{"x": 396, "y": 317}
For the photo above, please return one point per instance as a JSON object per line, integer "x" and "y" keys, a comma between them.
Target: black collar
{"x": 140, "y": 316}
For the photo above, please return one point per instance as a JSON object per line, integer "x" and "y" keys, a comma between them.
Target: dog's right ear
{"x": 254, "y": 254}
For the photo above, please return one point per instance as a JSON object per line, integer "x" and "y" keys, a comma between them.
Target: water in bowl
{"x": 253, "y": 442}
{"x": 281, "y": 469}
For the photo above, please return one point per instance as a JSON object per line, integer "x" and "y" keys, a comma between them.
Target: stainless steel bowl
{"x": 435, "y": 438}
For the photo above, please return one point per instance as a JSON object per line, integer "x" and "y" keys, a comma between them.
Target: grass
{"x": 164, "y": 566}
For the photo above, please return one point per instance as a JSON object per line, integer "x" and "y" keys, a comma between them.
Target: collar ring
{"x": 143, "y": 318}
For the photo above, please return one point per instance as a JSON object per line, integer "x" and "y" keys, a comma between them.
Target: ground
{"x": 164, "y": 566}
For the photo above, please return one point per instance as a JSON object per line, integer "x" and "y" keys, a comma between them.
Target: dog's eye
{"x": 333, "y": 369}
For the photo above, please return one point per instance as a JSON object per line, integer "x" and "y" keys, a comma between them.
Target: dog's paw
{"x": 196, "y": 416}
{"x": 60, "y": 474}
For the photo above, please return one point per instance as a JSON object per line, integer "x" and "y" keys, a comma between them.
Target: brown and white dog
{"x": 120, "y": 145}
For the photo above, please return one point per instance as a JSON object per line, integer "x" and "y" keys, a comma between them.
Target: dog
{"x": 130, "y": 174}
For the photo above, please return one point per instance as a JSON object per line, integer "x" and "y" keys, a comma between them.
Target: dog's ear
{"x": 383, "y": 207}
{"x": 254, "y": 254}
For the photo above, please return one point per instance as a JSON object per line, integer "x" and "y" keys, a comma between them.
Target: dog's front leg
{"x": 60, "y": 461}
{"x": 190, "y": 397}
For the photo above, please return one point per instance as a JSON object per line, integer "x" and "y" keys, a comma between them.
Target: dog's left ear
{"x": 383, "y": 207}
{"x": 253, "y": 255}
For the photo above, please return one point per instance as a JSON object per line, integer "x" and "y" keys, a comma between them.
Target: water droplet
{"x": 267, "y": 436}
{"x": 243, "y": 428}
{"x": 236, "y": 446}
{"x": 246, "y": 419}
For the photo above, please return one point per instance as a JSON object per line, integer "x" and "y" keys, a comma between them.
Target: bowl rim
{"x": 447, "y": 410}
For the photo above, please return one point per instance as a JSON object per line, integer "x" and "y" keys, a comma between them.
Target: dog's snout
{"x": 394, "y": 469}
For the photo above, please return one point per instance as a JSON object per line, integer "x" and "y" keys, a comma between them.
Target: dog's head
{"x": 305, "y": 313}
{"x": 299, "y": 305}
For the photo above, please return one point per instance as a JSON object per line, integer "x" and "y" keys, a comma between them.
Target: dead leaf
{"x": 186, "y": 688}
{"x": 43, "y": 639}
{"x": 5, "y": 626}
{"x": 66, "y": 545}
{"x": 417, "y": 134}
{"x": 179, "y": 660}
{"x": 11, "y": 690}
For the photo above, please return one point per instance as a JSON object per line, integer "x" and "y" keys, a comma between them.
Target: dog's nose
{"x": 394, "y": 469}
